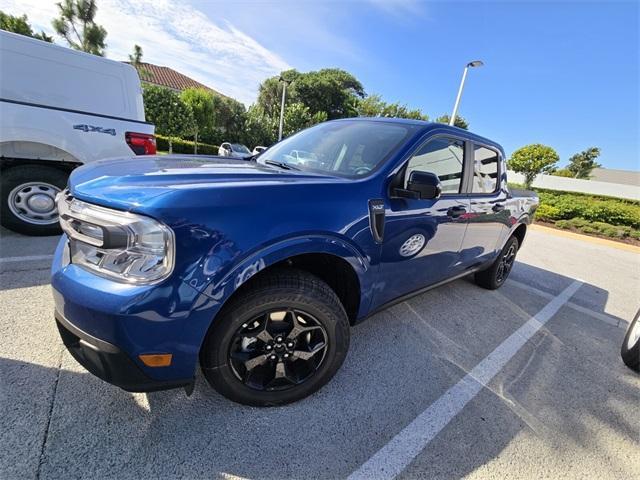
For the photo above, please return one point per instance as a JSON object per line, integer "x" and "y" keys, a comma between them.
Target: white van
{"x": 60, "y": 108}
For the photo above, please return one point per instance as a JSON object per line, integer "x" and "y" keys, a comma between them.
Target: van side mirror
{"x": 427, "y": 185}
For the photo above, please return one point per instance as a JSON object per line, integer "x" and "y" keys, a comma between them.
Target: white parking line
{"x": 603, "y": 317}
{"x": 396, "y": 455}
{"x": 28, "y": 258}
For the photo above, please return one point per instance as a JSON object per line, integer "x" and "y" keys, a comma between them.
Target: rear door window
{"x": 485, "y": 170}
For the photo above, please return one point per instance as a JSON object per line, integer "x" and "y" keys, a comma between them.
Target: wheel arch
{"x": 325, "y": 256}
{"x": 519, "y": 232}
{"x": 18, "y": 150}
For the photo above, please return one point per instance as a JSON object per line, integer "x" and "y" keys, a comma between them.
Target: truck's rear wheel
{"x": 28, "y": 199}
{"x": 278, "y": 342}
{"x": 495, "y": 276}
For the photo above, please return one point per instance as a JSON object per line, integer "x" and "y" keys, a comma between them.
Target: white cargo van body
{"x": 60, "y": 108}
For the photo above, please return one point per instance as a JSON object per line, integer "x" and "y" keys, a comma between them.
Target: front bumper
{"x": 109, "y": 363}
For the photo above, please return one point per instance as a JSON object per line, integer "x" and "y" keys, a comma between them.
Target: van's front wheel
{"x": 28, "y": 199}
{"x": 277, "y": 342}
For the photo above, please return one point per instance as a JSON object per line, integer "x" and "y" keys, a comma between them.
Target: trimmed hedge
{"x": 599, "y": 228}
{"x": 185, "y": 146}
{"x": 565, "y": 206}
{"x": 593, "y": 214}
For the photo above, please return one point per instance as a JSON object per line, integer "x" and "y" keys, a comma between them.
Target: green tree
{"x": 460, "y": 122}
{"x": 298, "y": 116}
{"x": 330, "y": 90}
{"x": 562, "y": 172}
{"x": 135, "y": 58}
{"x": 77, "y": 26}
{"x": 374, "y": 106}
{"x": 20, "y": 25}
{"x": 270, "y": 92}
{"x": 201, "y": 103}
{"x": 582, "y": 164}
{"x": 533, "y": 160}
{"x": 259, "y": 128}
{"x": 171, "y": 116}
{"x": 228, "y": 119}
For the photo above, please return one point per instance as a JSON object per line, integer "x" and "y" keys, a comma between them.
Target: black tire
{"x": 287, "y": 290}
{"x": 630, "y": 350}
{"x": 51, "y": 179}
{"x": 494, "y": 277}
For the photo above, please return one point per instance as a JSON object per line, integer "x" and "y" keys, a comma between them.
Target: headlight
{"x": 119, "y": 245}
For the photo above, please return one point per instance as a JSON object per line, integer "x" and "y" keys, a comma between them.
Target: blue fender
{"x": 523, "y": 219}
{"x": 218, "y": 290}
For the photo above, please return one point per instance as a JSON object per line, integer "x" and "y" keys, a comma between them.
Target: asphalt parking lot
{"x": 524, "y": 382}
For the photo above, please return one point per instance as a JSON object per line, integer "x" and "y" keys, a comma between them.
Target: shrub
{"x": 613, "y": 213}
{"x": 547, "y": 212}
{"x": 185, "y": 146}
{"x": 594, "y": 208}
{"x": 599, "y": 228}
{"x": 562, "y": 172}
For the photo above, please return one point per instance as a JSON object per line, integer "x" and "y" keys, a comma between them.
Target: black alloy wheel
{"x": 507, "y": 260}
{"x": 279, "y": 339}
{"x": 497, "y": 273}
{"x": 277, "y": 350}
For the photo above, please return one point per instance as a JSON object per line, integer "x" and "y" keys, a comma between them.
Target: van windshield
{"x": 344, "y": 148}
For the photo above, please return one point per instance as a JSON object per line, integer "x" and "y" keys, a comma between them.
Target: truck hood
{"x": 132, "y": 182}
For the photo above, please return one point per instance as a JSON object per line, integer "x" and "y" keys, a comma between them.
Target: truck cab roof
{"x": 425, "y": 126}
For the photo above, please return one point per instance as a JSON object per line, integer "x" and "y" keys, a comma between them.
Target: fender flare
{"x": 219, "y": 290}
{"x": 524, "y": 219}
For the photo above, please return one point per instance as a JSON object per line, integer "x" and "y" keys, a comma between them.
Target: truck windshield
{"x": 345, "y": 148}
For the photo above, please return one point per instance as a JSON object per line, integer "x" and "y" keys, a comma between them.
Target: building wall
{"x": 617, "y": 190}
{"x": 626, "y": 177}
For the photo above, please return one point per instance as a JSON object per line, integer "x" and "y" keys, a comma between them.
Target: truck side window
{"x": 442, "y": 156}
{"x": 485, "y": 170}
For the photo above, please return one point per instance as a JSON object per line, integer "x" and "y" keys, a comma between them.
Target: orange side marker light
{"x": 156, "y": 359}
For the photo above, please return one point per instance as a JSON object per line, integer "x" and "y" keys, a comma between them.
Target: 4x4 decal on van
{"x": 92, "y": 128}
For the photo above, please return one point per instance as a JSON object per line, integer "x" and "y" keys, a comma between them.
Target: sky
{"x": 561, "y": 73}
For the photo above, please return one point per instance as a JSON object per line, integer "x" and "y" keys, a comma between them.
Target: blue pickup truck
{"x": 256, "y": 269}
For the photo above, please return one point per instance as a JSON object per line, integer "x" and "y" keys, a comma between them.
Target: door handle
{"x": 498, "y": 207}
{"x": 455, "y": 212}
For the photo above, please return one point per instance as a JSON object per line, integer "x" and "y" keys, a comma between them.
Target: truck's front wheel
{"x": 277, "y": 342}
{"x": 28, "y": 199}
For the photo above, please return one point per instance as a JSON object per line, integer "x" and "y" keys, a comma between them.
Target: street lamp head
{"x": 475, "y": 63}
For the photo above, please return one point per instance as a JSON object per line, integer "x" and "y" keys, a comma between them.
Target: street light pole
{"x": 284, "y": 92}
{"x": 475, "y": 63}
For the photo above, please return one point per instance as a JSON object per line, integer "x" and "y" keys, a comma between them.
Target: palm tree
{"x": 77, "y": 26}
{"x": 136, "y": 57}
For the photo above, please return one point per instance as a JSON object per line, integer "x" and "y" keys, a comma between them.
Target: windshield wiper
{"x": 284, "y": 165}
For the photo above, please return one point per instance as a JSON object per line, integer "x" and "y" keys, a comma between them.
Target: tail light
{"x": 141, "y": 143}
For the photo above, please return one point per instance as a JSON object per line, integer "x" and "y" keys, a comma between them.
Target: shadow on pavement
{"x": 19, "y": 273}
{"x": 559, "y": 386}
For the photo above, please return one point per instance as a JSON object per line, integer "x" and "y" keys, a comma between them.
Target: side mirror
{"x": 427, "y": 185}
